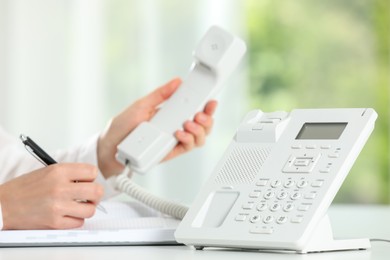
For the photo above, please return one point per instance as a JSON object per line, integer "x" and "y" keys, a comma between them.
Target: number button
{"x": 276, "y": 183}
{"x": 269, "y": 195}
{"x": 268, "y": 219}
{"x": 302, "y": 184}
{"x": 262, "y": 206}
{"x": 254, "y": 219}
{"x": 281, "y": 220}
{"x": 282, "y": 195}
{"x": 275, "y": 207}
{"x": 295, "y": 196}
{"x": 289, "y": 184}
{"x": 288, "y": 207}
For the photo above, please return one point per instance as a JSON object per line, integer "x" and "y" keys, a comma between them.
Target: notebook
{"x": 125, "y": 223}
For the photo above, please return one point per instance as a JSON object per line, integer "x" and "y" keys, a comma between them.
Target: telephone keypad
{"x": 274, "y": 202}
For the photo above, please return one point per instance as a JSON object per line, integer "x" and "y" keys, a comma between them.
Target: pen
{"x": 45, "y": 159}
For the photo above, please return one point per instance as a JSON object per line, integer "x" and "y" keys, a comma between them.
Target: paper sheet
{"x": 126, "y": 223}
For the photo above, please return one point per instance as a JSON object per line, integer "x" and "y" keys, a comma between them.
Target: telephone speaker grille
{"x": 242, "y": 165}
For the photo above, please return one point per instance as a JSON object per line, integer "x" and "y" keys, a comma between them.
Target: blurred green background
{"x": 331, "y": 53}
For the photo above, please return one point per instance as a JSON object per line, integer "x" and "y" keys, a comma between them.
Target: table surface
{"x": 348, "y": 221}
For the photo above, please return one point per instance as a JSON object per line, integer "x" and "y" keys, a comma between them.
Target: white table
{"x": 348, "y": 221}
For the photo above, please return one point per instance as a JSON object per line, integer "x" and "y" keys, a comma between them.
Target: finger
{"x": 68, "y": 222}
{"x": 75, "y": 171}
{"x": 197, "y": 131}
{"x": 186, "y": 141}
{"x": 210, "y": 107}
{"x": 80, "y": 209}
{"x": 162, "y": 93}
{"x": 86, "y": 191}
{"x": 205, "y": 120}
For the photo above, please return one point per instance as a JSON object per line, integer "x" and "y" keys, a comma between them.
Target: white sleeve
{"x": 14, "y": 159}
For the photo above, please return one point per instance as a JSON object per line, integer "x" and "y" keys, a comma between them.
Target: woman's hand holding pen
{"x": 48, "y": 198}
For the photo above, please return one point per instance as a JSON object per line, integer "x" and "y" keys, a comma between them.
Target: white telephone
{"x": 275, "y": 182}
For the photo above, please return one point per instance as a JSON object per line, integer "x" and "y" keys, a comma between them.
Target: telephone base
{"x": 323, "y": 241}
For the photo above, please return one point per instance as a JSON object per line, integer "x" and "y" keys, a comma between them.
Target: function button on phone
{"x": 262, "y": 230}
{"x": 254, "y": 194}
{"x": 327, "y": 170}
{"x": 262, "y": 206}
{"x": 310, "y": 195}
{"x": 325, "y": 146}
{"x": 334, "y": 155}
{"x": 304, "y": 207}
{"x": 302, "y": 162}
{"x": 311, "y": 146}
{"x": 241, "y": 217}
{"x": 296, "y": 146}
{"x": 296, "y": 219}
{"x": 317, "y": 183}
{"x": 262, "y": 182}
{"x": 248, "y": 205}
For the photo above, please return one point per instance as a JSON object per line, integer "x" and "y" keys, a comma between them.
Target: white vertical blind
{"x": 36, "y": 92}
{"x": 86, "y": 104}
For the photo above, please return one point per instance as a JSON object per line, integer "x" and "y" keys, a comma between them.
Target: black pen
{"x": 37, "y": 151}
{"x": 45, "y": 159}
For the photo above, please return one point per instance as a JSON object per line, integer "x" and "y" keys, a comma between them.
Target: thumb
{"x": 162, "y": 93}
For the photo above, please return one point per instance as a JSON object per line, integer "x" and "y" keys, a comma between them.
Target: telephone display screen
{"x": 317, "y": 131}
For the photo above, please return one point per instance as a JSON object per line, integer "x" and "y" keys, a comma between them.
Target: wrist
{"x": 107, "y": 163}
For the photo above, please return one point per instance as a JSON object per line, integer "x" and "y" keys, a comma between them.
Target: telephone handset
{"x": 216, "y": 57}
{"x": 276, "y": 180}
